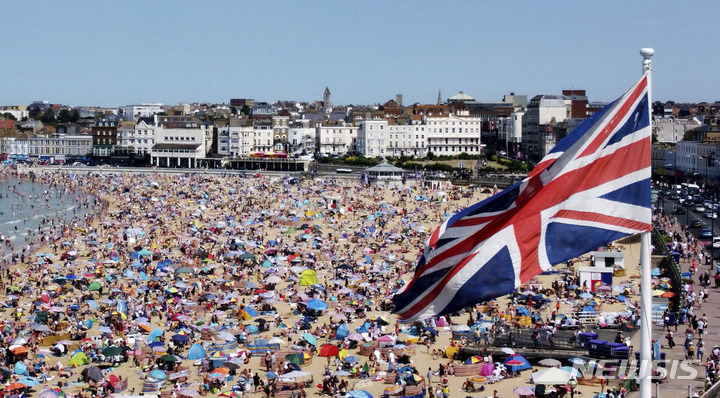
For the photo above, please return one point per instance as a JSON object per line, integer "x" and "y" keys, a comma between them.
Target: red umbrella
{"x": 328, "y": 350}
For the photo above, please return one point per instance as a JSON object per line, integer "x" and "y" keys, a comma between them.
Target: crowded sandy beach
{"x": 226, "y": 285}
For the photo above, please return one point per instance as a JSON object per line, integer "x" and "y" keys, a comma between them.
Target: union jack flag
{"x": 591, "y": 189}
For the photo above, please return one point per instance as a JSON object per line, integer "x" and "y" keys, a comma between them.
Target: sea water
{"x": 25, "y": 204}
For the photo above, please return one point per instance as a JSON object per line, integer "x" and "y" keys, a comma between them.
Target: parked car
{"x": 716, "y": 242}
{"x": 700, "y": 208}
{"x": 679, "y": 210}
{"x": 706, "y": 233}
{"x": 710, "y": 214}
{"x": 695, "y": 223}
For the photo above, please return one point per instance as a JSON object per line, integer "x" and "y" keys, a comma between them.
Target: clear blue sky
{"x": 102, "y": 52}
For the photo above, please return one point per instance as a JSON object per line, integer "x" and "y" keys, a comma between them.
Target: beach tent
{"x": 154, "y": 335}
{"x": 94, "y": 287}
{"x": 342, "y": 332}
{"x": 196, "y": 352}
{"x": 516, "y": 363}
{"x": 20, "y": 369}
{"x": 308, "y": 278}
{"x": 79, "y": 359}
{"x": 551, "y": 376}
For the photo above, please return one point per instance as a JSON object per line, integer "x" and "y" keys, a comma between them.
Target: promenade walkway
{"x": 678, "y": 387}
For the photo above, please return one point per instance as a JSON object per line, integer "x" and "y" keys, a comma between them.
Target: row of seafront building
{"x": 197, "y": 136}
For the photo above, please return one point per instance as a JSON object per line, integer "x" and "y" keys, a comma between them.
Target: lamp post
{"x": 572, "y": 383}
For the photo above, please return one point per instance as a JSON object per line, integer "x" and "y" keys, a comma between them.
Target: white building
{"x": 56, "y": 149}
{"x": 510, "y": 131}
{"x": 407, "y": 140}
{"x": 692, "y": 159}
{"x": 543, "y": 112}
{"x": 672, "y": 130}
{"x": 301, "y": 137}
{"x": 372, "y": 137}
{"x": 134, "y": 112}
{"x": 453, "y": 135}
{"x": 336, "y": 139}
{"x": 262, "y": 139}
{"x": 180, "y": 141}
{"x": 236, "y": 138}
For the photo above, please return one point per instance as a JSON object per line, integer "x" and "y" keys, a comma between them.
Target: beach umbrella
{"x": 168, "y": 358}
{"x": 92, "y": 373}
{"x": 550, "y": 362}
{"x": 295, "y": 358}
{"x": 188, "y": 392}
{"x": 29, "y": 381}
{"x": 354, "y": 336}
{"x": 94, "y": 287}
{"x": 328, "y": 350}
{"x": 551, "y": 376}
{"x": 222, "y": 370}
{"x": 474, "y": 359}
{"x": 572, "y": 370}
{"x": 181, "y": 338}
{"x": 15, "y": 386}
{"x": 310, "y": 338}
{"x": 358, "y": 394}
{"x": 508, "y": 350}
{"x": 524, "y": 390}
{"x": 111, "y": 351}
{"x": 231, "y": 365}
{"x": 183, "y": 270}
{"x": 351, "y": 359}
{"x": 577, "y": 361}
{"x": 317, "y": 305}
{"x": 271, "y": 375}
{"x": 50, "y": 393}
{"x": 158, "y": 374}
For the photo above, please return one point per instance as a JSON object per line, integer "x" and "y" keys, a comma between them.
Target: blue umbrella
{"x": 158, "y": 374}
{"x": 351, "y": 359}
{"x": 358, "y": 394}
{"x": 317, "y": 305}
{"x": 310, "y": 338}
{"x": 271, "y": 375}
{"x": 180, "y": 338}
{"x": 29, "y": 381}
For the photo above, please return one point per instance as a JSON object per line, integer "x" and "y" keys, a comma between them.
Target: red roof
{"x": 7, "y": 124}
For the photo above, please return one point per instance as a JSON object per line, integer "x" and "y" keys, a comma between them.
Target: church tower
{"x": 327, "y": 107}
{"x": 439, "y": 101}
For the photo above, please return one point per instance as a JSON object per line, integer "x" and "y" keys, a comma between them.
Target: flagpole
{"x": 645, "y": 284}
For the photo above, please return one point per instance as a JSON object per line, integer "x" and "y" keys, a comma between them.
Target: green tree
{"x": 64, "y": 115}
{"x": 75, "y": 116}
{"x": 9, "y": 116}
{"x": 233, "y": 110}
{"x": 48, "y": 116}
{"x": 689, "y": 136}
{"x": 245, "y": 110}
{"x": 430, "y": 155}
